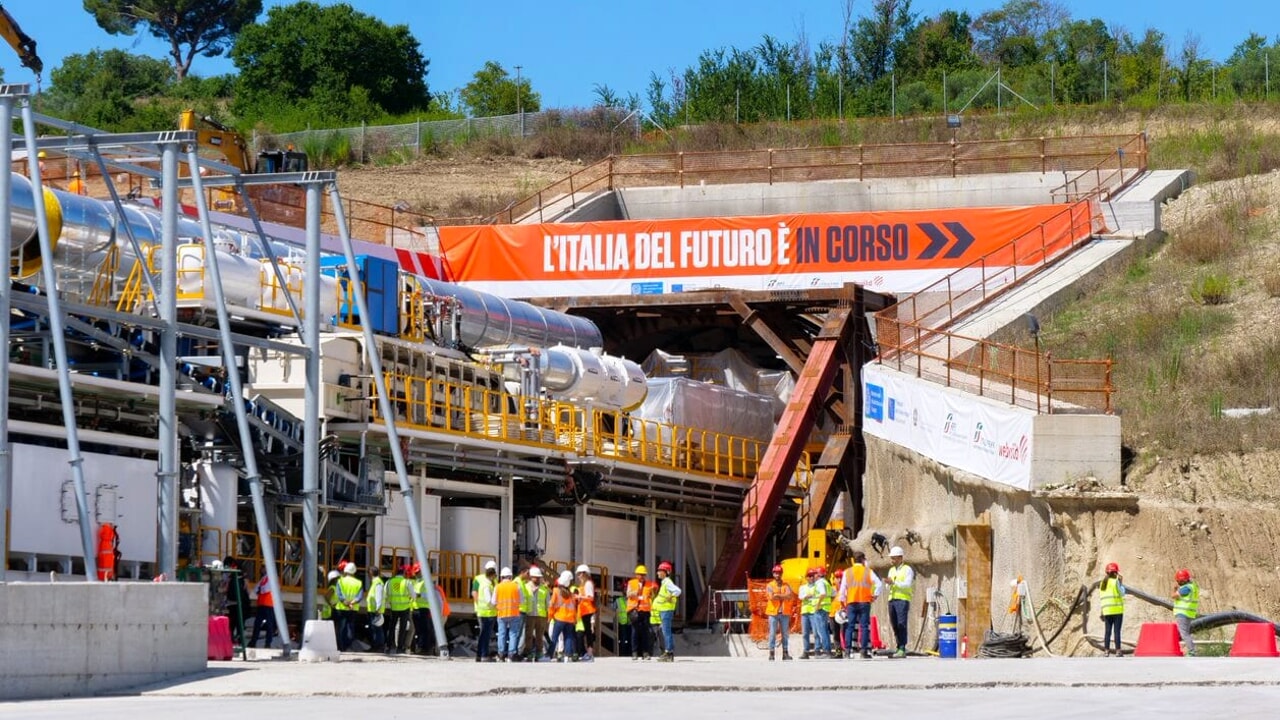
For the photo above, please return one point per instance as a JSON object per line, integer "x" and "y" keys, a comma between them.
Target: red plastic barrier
{"x": 1158, "y": 640}
{"x": 1255, "y": 640}
{"x": 220, "y": 638}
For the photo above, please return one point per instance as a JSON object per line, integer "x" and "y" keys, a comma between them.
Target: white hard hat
{"x": 334, "y": 574}
{"x": 895, "y": 551}
{"x": 350, "y": 569}
{"x": 584, "y": 569}
{"x": 506, "y": 572}
{"x": 842, "y": 617}
{"x": 491, "y": 565}
{"x": 566, "y": 577}
{"x": 535, "y": 571}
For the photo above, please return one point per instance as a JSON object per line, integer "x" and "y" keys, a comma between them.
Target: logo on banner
{"x": 901, "y": 414}
{"x": 982, "y": 440}
{"x": 875, "y": 402}
{"x": 1016, "y": 451}
{"x": 951, "y": 429}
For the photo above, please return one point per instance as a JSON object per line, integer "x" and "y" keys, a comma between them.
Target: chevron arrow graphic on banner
{"x": 939, "y": 239}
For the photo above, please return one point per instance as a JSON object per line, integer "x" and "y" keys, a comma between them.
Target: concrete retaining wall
{"x": 73, "y": 639}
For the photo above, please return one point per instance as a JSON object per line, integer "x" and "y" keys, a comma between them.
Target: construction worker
{"x": 538, "y": 597}
{"x": 640, "y": 592}
{"x": 266, "y": 615}
{"x": 350, "y": 593}
{"x": 508, "y": 595}
{"x": 624, "y": 624}
{"x": 423, "y": 634}
{"x": 76, "y": 186}
{"x": 1186, "y": 604}
{"x": 835, "y": 604}
{"x": 664, "y": 604}
{"x": 901, "y": 585}
{"x": 859, "y": 587}
{"x": 821, "y": 618}
{"x": 778, "y": 598}
{"x": 398, "y": 606}
{"x": 324, "y": 606}
{"x": 483, "y": 600}
{"x": 809, "y": 600}
{"x": 376, "y": 606}
{"x": 586, "y": 612}
{"x": 564, "y": 615}
{"x": 1111, "y": 599}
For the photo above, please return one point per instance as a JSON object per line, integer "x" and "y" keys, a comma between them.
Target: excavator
{"x": 20, "y": 42}
{"x": 214, "y": 135}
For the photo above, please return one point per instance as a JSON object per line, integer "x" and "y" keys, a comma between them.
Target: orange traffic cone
{"x": 1158, "y": 640}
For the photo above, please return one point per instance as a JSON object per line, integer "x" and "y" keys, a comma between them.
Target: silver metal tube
{"x": 270, "y": 252}
{"x": 237, "y": 401}
{"x": 59, "y": 340}
{"x": 6, "y": 240}
{"x": 388, "y": 420}
{"x": 128, "y": 226}
{"x": 311, "y": 405}
{"x": 167, "y": 303}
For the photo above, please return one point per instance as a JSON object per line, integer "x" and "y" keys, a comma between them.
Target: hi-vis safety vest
{"x": 264, "y": 593}
{"x": 323, "y": 609}
{"x": 399, "y": 596}
{"x": 779, "y": 596}
{"x": 538, "y": 598}
{"x": 623, "y": 617}
{"x": 484, "y": 596}
{"x": 1188, "y": 604}
{"x": 1112, "y": 600}
{"x": 858, "y": 579}
{"x": 564, "y": 606}
{"x": 809, "y": 598}
{"x": 350, "y": 590}
{"x": 665, "y": 600}
{"x": 507, "y": 602}
{"x": 526, "y": 591}
{"x": 421, "y": 600}
{"x": 640, "y": 594}
{"x": 898, "y": 588}
{"x": 376, "y": 602}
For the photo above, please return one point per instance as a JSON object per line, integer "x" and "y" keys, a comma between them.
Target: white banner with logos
{"x": 989, "y": 440}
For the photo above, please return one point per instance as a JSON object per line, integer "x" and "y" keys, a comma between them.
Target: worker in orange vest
{"x": 779, "y": 597}
{"x": 564, "y": 615}
{"x": 508, "y": 597}
{"x": 76, "y": 186}
{"x": 859, "y": 587}
{"x": 586, "y": 612}
{"x": 266, "y": 613}
{"x": 640, "y": 592}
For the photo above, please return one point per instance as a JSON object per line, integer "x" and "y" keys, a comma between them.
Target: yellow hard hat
{"x": 642, "y": 570}
{"x": 75, "y": 174}
{"x": 41, "y": 155}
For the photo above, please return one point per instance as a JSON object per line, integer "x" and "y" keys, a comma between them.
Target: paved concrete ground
{"x": 743, "y": 689}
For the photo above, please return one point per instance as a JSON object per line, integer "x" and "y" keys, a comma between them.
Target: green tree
{"x": 1084, "y": 51}
{"x": 1141, "y": 65}
{"x": 874, "y": 38}
{"x": 331, "y": 63}
{"x": 1016, "y": 34}
{"x": 99, "y": 88}
{"x": 492, "y": 91}
{"x": 1248, "y": 66}
{"x": 191, "y": 27}
{"x": 942, "y": 43}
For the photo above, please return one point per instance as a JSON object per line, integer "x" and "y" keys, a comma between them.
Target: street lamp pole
{"x": 519, "y": 106}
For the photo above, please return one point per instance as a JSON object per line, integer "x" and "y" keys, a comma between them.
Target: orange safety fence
{"x": 756, "y": 601}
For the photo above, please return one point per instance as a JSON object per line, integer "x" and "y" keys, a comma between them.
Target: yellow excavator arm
{"x": 216, "y": 136}
{"x": 20, "y": 42}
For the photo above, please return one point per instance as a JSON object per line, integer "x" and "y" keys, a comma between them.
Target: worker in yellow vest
{"x": 778, "y": 599}
{"x": 350, "y": 593}
{"x": 640, "y": 592}
{"x": 483, "y": 587}
{"x": 1111, "y": 593}
{"x": 563, "y": 607}
{"x": 809, "y": 599}
{"x": 858, "y": 588}
{"x": 664, "y": 604}
{"x": 420, "y": 601}
{"x": 508, "y": 596}
{"x": 901, "y": 587}
{"x": 376, "y": 607}
{"x": 324, "y": 608}
{"x": 1186, "y": 605}
{"x": 537, "y": 596}
{"x": 399, "y": 605}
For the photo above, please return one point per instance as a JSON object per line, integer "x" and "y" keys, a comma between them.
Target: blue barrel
{"x": 947, "y": 636}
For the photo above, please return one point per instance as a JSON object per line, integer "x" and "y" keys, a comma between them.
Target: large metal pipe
{"x": 494, "y": 321}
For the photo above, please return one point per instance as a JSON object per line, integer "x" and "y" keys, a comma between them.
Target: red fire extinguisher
{"x": 964, "y": 647}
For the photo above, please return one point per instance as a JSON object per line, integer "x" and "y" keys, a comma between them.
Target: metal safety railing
{"x": 1091, "y": 153}
{"x": 1109, "y": 175}
{"x": 473, "y": 410}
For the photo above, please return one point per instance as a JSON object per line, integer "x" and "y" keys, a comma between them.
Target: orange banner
{"x": 896, "y": 251}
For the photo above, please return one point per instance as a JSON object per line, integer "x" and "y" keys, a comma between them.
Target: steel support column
{"x": 311, "y": 404}
{"x": 59, "y": 341}
{"x": 228, "y": 351}
{"x": 167, "y": 303}
{"x": 387, "y": 410}
{"x": 8, "y": 94}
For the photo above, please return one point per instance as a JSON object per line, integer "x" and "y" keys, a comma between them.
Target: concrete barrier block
{"x": 319, "y": 642}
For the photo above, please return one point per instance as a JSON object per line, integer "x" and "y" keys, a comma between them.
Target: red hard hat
{"x": 811, "y": 572}
{"x": 840, "y": 573}
{"x": 1113, "y": 568}
{"x": 1183, "y": 575}
{"x": 822, "y": 572}
{"x": 664, "y": 565}
{"x": 777, "y": 569}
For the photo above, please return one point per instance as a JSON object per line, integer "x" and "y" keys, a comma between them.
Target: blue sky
{"x": 567, "y": 51}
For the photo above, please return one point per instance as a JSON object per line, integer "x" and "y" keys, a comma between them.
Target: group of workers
{"x": 396, "y": 603}
{"x": 826, "y": 607}
{"x": 1111, "y": 595}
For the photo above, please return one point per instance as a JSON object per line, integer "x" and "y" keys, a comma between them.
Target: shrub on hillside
{"x": 1211, "y": 289}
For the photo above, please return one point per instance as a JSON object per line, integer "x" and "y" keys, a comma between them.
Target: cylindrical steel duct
{"x": 493, "y": 321}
